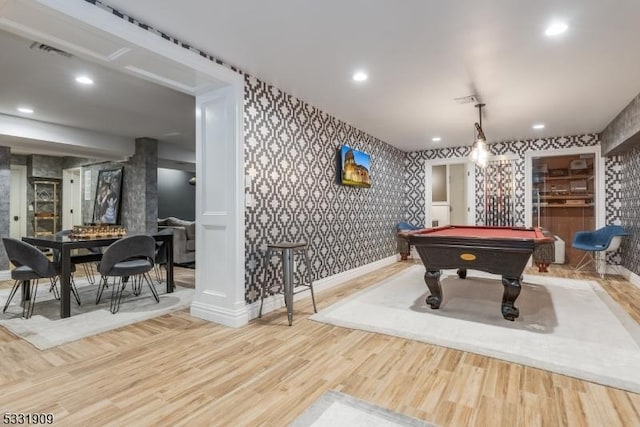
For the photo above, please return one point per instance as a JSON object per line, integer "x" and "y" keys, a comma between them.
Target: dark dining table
{"x": 65, "y": 244}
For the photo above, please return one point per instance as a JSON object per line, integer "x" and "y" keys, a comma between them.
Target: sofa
{"x": 184, "y": 238}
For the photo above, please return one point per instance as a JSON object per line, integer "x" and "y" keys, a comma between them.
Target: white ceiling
{"x": 117, "y": 104}
{"x": 420, "y": 54}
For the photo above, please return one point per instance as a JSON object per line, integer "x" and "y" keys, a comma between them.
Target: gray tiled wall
{"x": 5, "y": 186}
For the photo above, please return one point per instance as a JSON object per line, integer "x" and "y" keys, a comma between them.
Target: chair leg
{"x": 264, "y": 279}
{"x": 136, "y": 285}
{"x": 88, "y": 271}
{"x": 54, "y": 287}
{"x": 116, "y": 294}
{"x": 157, "y": 269}
{"x": 152, "y": 287}
{"x": 102, "y": 285}
{"x": 28, "y": 308}
{"x": 74, "y": 290}
{"x": 16, "y": 285}
{"x": 585, "y": 261}
{"x": 313, "y": 298}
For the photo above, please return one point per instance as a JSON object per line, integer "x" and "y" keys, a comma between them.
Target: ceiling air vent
{"x": 49, "y": 49}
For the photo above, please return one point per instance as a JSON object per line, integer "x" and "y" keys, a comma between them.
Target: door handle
{"x": 15, "y": 218}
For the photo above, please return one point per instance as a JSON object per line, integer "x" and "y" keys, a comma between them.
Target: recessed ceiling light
{"x": 538, "y": 126}
{"x": 26, "y": 110}
{"x": 360, "y": 76}
{"x": 436, "y": 139}
{"x": 555, "y": 29}
{"x": 84, "y": 80}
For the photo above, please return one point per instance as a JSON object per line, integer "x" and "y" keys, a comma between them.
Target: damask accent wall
{"x": 630, "y": 209}
{"x": 291, "y": 153}
{"x": 415, "y": 176}
{"x": 290, "y": 149}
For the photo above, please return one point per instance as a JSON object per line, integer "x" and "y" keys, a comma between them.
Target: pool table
{"x": 496, "y": 250}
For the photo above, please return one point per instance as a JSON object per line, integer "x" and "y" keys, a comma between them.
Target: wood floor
{"x": 179, "y": 370}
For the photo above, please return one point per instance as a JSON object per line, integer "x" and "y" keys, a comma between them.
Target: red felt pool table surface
{"x": 482, "y": 232}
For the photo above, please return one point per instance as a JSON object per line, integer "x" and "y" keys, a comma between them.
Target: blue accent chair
{"x": 605, "y": 239}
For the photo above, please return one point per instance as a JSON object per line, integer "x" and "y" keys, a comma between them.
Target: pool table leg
{"x": 432, "y": 279}
{"x": 512, "y": 287}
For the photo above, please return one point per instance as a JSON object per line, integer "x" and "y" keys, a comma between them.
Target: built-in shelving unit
{"x": 564, "y": 195}
{"x": 568, "y": 191}
{"x": 45, "y": 207}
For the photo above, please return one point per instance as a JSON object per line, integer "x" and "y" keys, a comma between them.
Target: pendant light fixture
{"x": 479, "y": 154}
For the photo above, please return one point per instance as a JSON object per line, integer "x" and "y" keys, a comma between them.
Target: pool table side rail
{"x": 426, "y": 234}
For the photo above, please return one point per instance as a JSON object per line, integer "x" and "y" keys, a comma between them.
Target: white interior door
{"x": 457, "y": 194}
{"x": 449, "y": 192}
{"x": 18, "y": 202}
{"x": 439, "y": 196}
{"x": 71, "y": 198}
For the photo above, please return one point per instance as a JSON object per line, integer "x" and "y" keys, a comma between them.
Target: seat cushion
{"x": 131, "y": 267}
{"x": 24, "y": 273}
{"x": 191, "y": 245}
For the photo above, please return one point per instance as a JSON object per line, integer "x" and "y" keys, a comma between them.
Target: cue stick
{"x": 513, "y": 189}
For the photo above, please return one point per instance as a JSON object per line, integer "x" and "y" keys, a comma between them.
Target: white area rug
{"x": 567, "y": 326}
{"x": 335, "y": 409}
{"x": 45, "y": 329}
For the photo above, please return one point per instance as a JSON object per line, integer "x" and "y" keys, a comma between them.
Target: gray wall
{"x": 623, "y": 133}
{"x": 139, "y": 204}
{"x": 176, "y": 197}
{"x": 5, "y": 186}
{"x": 44, "y": 166}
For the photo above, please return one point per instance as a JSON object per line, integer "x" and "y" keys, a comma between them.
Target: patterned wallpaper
{"x": 630, "y": 209}
{"x": 414, "y": 176}
{"x": 291, "y": 153}
{"x": 272, "y": 115}
{"x": 414, "y": 173}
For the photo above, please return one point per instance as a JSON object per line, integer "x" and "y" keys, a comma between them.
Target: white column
{"x": 219, "y": 295}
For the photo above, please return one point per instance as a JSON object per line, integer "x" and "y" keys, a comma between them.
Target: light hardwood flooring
{"x": 179, "y": 370}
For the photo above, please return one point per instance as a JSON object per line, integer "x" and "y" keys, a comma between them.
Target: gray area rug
{"x": 567, "y": 326}
{"x": 45, "y": 329}
{"x": 335, "y": 409}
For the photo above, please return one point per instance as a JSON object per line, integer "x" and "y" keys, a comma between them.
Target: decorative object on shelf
{"x": 192, "y": 180}
{"x": 98, "y": 230}
{"x": 46, "y": 207}
{"x": 106, "y": 209}
{"x": 578, "y": 164}
{"x": 558, "y": 172}
{"x": 479, "y": 154}
{"x": 44, "y": 195}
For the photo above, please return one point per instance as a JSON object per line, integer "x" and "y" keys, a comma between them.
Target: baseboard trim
{"x": 274, "y": 302}
{"x": 226, "y": 317}
{"x": 632, "y": 277}
{"x": 627, "y": 274}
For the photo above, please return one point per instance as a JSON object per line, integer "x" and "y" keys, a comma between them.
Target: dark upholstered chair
{"x": 131, "y": 259}
{"x": 31, "y": 265}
